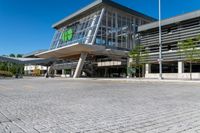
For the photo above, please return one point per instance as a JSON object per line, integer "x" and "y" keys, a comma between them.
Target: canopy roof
{"x": 38, "y": 61}
{"x": 77, "y": 49}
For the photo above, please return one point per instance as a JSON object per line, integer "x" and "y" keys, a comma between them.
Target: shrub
{"x": 5, "y": 74}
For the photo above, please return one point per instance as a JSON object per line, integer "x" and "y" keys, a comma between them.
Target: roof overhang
{"x": 38, "y": 61}
{"x": 77, "y": 49}
{"x": 33, "y": 53}
{"x": 70, "y": 50}
{"x": 169, "y": 21}
{"x": 94, "y": 5}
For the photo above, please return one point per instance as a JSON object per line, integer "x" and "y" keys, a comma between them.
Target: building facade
{"x": 174, "y": 31}
{"x": 95, "y": 40}
{"x": 35, "y": 70}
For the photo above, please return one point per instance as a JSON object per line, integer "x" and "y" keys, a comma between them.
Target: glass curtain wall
{"x": 80, "y": 31}
{"x": 117, "y": 30}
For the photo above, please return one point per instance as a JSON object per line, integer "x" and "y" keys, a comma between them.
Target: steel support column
{"x": 79, "y": 66}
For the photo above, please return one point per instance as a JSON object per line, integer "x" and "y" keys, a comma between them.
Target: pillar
{"x": 79, "y": 66}
{"x": 55, "y": 72}
{"x": 63, "y": 73}
{"x": 72, "y": 72}
{"x": 180, "y": 67}
{"x": 48, "y": 71}
{"x": 147, "y": 68}
{"x": 129, "y": 60}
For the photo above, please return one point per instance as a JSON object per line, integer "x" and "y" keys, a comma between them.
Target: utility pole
{"x": 160, "y": 42}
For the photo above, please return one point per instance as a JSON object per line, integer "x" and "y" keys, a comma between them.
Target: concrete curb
{"x": 129, "y": 80}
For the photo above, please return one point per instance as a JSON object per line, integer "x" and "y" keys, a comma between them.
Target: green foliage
{"x": 189, "y": 51}
{"x": 3, "y": 66}
{"x": 5, "y": 74}
{"x": 19, "y": 55}
{"x": 12, "y": 67}
{"x": 12, "y": 55}
{"x": 139, "y": 55}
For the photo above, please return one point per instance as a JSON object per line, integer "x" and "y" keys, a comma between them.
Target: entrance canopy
{"x": 70, "y": 50}
{"x": 38, "y": 61}
{"x": 77, "y": 49}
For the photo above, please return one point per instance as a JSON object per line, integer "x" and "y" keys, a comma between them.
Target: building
{"x": 174, "y": 30}
{"x": 34, "y": 69}
{"x": 95, "y": 40}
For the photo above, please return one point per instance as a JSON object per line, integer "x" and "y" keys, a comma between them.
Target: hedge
{"x": 5, "y": 74}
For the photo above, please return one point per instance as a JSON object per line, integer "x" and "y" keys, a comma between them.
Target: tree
{"x": 3, "y": 66}
{"x": 12, "y": 55}
{"x": 139, "y": 57}
{"x": 189, "y": 51}
{"x": 19, "y": 55}
{"x": 12, "y": 67}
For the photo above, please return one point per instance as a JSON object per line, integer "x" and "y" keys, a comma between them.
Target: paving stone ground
{"x": 38, "y": 105}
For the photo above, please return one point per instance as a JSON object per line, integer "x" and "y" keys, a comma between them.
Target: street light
{"x": 160, "y": 42}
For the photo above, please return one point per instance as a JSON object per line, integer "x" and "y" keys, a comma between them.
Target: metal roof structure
{"x": 77, "y": 49}
{"x": 98, "y": 3}
{"x": 169, "y": 21}
{"x": 33, "y": 53}
{"x": 26, "y": 60}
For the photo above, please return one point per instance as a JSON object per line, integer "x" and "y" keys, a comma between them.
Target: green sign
{"x": 67, "y": 35}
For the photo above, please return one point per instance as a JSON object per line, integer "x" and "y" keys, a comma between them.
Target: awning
{"x": 76, "y": 49}
{"x": 33, "y": 61}
{"x": 70, "y": 50}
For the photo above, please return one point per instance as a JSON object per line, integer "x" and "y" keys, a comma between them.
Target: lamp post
{"x": 160, "y": 42}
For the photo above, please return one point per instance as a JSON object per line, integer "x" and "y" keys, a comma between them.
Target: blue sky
{"x": 25, "y": 25}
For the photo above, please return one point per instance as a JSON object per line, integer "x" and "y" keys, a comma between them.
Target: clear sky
{"x": 25, "y": 25}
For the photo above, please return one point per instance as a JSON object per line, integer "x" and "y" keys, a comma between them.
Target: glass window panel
{"x": 81, "y": 30}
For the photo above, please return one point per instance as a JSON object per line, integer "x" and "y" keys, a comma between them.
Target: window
{"x": 80, "y": 30}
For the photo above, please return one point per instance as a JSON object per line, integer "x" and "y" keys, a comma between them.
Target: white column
{"x": 49, "y": 69}
{"x": 55, "y": 72}
{"x": 63, "y": 73}
{"x": 147, "y": 68}
{"x": 129, "y": 60}
{"x": 79, "y": 66}
{"x": 72, "y": 72}
{"x": 180, "y": 67}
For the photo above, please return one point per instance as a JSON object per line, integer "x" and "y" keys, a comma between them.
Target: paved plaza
{"x": 38, "y": 105}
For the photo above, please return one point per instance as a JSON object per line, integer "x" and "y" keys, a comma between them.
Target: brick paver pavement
{"x": 41, "y": 105}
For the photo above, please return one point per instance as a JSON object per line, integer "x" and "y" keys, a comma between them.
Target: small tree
{"x": 19, "y": 56}
{"x": 139, "y": 57}
{"x": 188, "y": 49}
{"x": 12, "y": 55}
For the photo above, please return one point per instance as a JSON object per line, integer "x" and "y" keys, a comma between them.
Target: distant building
{"x": 34, "y": 70}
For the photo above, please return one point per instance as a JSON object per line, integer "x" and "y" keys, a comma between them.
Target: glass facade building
{"x": 106, "y": 25}
{"x": 101, "y": 33}
{"x": 82, "y": 31}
